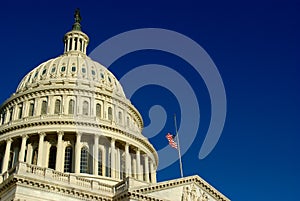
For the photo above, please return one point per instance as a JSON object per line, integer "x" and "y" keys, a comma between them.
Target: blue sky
{"x": 255, "y": 46}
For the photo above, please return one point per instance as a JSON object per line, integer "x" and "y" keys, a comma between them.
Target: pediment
{"x": 191, "y": 188}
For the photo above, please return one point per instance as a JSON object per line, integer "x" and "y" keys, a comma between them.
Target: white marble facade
{"x": 69, "y": 133}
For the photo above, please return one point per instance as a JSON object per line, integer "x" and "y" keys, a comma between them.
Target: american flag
{"x": 172, "y": 143}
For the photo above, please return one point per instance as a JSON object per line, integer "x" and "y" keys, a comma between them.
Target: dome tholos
{"x": 70, "y": 114}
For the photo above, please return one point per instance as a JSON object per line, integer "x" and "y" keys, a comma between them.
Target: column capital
{"x": 60, "y": 132}
{"x": 25, "y": 136}
{"x": 96, "y": 135}
{"x": 78, "y": 134}
{"x": 126, "y": 146}
{"x": 113, "y": 139}
{"x": 42, "y": 134}
{"x": 9, "y": 140}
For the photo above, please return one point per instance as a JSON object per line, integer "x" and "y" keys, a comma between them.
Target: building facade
{"x": 70, "y": 133}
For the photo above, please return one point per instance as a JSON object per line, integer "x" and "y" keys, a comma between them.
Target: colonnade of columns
{"x": 134, "y": 164}
{"x": 75, "y": 42}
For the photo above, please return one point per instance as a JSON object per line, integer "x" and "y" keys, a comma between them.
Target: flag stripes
{"x": 172, "y": 143}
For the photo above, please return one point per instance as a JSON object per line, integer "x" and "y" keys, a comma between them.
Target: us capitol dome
{"x": 70, "y": 133}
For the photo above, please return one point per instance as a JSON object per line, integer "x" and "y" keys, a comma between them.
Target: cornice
{"x": 136, "y": 195}
{"x": 77, "y": 123}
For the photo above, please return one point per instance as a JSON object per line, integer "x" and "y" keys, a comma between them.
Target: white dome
{"x": 72, "y": 70}
{"x": 71, "y": 115}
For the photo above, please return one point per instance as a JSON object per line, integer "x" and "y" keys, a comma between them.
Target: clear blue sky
{"x": 254, "y": 44}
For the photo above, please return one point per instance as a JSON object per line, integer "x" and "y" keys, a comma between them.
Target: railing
{"x": 60, "y": 176}
{"x": 83, "y": 182}
{"x": 36, "y": 170}
{"x": 48, "y": 174}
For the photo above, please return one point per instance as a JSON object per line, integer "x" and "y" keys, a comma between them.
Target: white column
{"x": 6, "y": 155}
{"x": 65, "y": 45}
{"x": 59, "y": 156}
{"x": 112, "y": 158}
{"x": 105, "y": 108}
{"x": 93, "y": 107}
{"x": 26, "y": 108}
{"x": 51, "y": 105}
{"x": 64, "y": 104}
{"x": 6, "y": 116}
{"x": 23, "y": 148}
{"x": 127, "y": 160}
{"x": 84, "y": 47}
{"x": 104, "y": 165}
{"x": 118, "y": 165}
{"x": 138, "y": 165}
{"x": 134, "y": 172}
{"x": 153, "y": 172}
{"x": 68, "y": 43}
{"x": 41, "y": 148}
{"x": 76, "y": 42}
{"x": 14, "y": 112}
{"x": 73, "y": 43}
{"x": 29, "y": 154}
{"x": 146, "y": 169}
{"x": 77, "y": 152}
{"x": 96, "y": 153}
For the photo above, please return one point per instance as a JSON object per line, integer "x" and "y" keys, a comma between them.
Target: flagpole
{"x": 179, "y": 154}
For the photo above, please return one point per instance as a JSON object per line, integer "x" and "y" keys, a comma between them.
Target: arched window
{"x": 34, "y": 156}
{"x": 31, "y": 109}
{"x": 100, "y": 162}
{"x": 84, "y": 160}
{"x": 120, "y": 117}
{"x": 98, "y": 110}
{"x": 52, "y": 157}
{"x": 71, "y": 107}
{"x": 20, "y": 114}
{"x": 68, "y": 159}
{"x": 85, "y": 108}
{"x": 57, "y": 108}
{"x": 44, "y": 107}
{"x": 110, "y": 117}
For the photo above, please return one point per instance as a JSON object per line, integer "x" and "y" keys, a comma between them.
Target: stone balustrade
{"x": 48, "y": 174}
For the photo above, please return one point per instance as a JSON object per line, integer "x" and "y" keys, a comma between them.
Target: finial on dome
{"x": 75, "y": 40}
{"x": 77, "y": 17}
